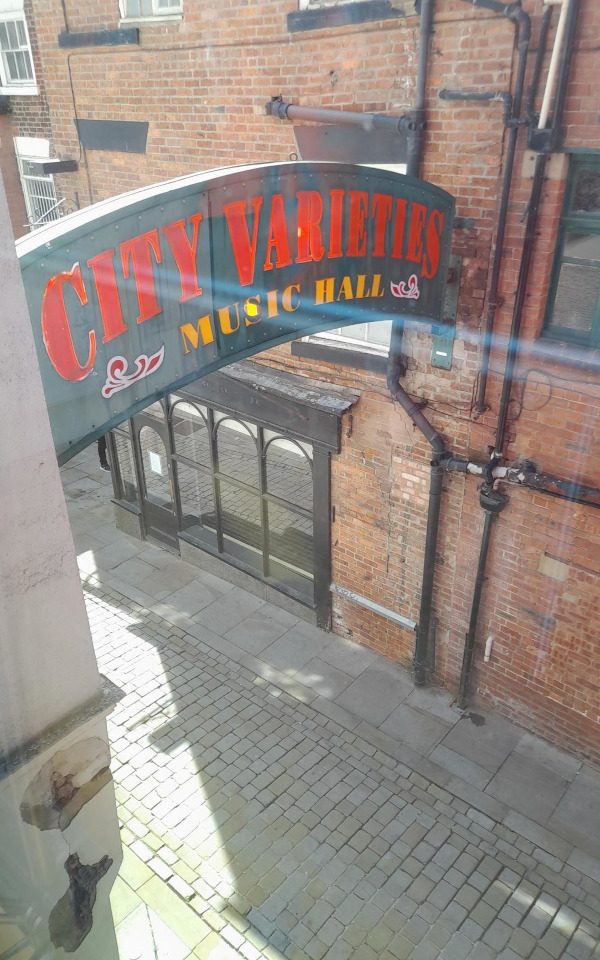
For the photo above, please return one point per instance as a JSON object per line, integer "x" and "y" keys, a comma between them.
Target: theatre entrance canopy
{"x": 138, "y": 295}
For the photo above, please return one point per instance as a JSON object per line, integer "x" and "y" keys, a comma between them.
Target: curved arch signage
{"x": 138, "y": 295}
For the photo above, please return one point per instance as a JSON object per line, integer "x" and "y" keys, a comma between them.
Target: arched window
{"x": 237, "y": 455}
{"x": 289, "y": 470}
{"x": 191, "y": 432}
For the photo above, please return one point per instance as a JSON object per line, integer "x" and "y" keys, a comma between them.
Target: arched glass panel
{"x": 155, "y": 468}
{"x": 155, "y": 409}
{"x": 289, "y": 472}
{"x": 236, "y": 447}
{"x": 190, "y": 432}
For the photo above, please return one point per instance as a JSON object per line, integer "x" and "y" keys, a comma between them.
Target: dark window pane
{"x": 237, "y": 451}
{"x": 290, "y": 548}
{"x": 576, "y": 297}
{"x": 582, "y": 246}
{"x": 11, "y": 66}
{"x": 156, "y": 469}
{"x": 586, "y": 196}
{"x": 289, "y": 473}
{"x": 190, "y": 433}
{"x": 4, "y": 42}
{"x": 197, "y": 503}
{"x": 241, "y": 524}
{"x": 126, "y": 467}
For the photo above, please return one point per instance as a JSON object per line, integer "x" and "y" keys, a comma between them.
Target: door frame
{"x": 159, "y": 523}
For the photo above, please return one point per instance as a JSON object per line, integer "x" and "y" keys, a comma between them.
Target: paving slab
{"x": 322, "y": 677}
{"x": 488, "y": 743}
{"x": 191, "y": 598}
{"x": 375, "y": 694}
{"x": 258, "y": 631}
{"x": 222, "y": 617}
{"x": 419, "y": 730}
{"x": 530, "y": 788}
{"x": 349, "y": 657}
{"x": 144, "y": 936}
{"x": 460, "y": 766}
{"x": 578, "y": 812}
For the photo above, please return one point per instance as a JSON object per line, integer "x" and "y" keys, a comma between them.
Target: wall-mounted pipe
{"x": 515, "y": 329}
{"x": 522, "y": 23}
{"x": 283, "y": 110}
{"x": 414, "y": 124}
{"x": 465, "y": 673}
{"x": 554, "y": 65}
{"x": 422, "y": 657}
{"x": 538, "y": 64}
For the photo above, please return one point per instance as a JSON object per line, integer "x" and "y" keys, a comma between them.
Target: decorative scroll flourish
{"x": 408, "y": 291}
{"x": 116, "y": 377}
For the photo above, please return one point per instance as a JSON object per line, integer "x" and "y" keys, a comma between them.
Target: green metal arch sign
{"x": 136, "y": 296}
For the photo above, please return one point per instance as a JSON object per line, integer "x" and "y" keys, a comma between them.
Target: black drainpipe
{"x": 522, "y": 23}
{"x": 553, "y": 136}
{"x": 396, "y": 367}
{"x": 422, "y": 655}
{"x": 492, "y": 502}
{"x": 513, "y": 344}
{"x": 515, "y": 328}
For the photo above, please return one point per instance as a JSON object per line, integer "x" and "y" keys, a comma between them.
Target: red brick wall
{"x": 202, "y": 84}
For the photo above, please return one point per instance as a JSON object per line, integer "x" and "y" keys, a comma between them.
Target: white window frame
{"x": 159, "y": 14}
{"x": 36, "y": 150}
{"x": 11, "y": 11}
{"x": 342, "y": 336}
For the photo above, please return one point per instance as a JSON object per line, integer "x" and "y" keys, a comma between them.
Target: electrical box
{"x": 443, "y": 334}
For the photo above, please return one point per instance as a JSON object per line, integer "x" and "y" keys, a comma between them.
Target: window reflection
{"x": 190, "y": 432}
{"x": 289, "y": 473}
{"x": 156, "y": 468}
{"x": 198, "y": 515}
{"x": 236, "y": 450}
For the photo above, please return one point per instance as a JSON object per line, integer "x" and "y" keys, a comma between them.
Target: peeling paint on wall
{"x": 65, "y": 784}
{"x": 71, "y": 919}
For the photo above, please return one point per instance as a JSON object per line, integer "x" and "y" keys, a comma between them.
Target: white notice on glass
{"x": 155, "y": 462}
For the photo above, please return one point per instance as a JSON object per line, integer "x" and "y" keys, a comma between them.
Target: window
{"x": 374, "y": 336}
{"x": 143, "y": 9}
{"x": 246, "y": 492}
{"x": 41, "y": 202}
{"x": 16, "y": 63}
{"x": 573, "y": 311}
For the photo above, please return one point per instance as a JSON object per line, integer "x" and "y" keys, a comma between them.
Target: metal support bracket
{"x": 443, "y": 334}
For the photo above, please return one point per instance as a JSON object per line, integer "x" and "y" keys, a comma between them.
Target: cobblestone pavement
{"x": 281, "y": 829}
{"x": 258, "y": 825}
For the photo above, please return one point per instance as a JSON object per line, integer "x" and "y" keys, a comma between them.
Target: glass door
{"x": 158, "y": 506}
